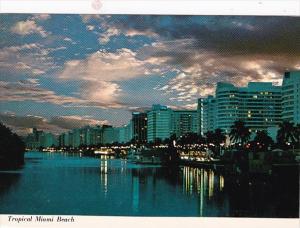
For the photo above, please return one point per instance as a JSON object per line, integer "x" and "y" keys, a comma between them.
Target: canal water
{"x": 67, "y": 184}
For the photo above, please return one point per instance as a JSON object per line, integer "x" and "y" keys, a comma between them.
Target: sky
{"x": 59, "y": 72}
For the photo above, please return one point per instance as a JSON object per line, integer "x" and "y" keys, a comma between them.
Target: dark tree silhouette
{"x": 188, "y": 139}
{"x": 239, "y": 132}
{"x": 157, "y": 141}
{"x": 209, "y": 137}
{"x": 262, "y": 141}
{"x": 286, "y": 133}
{"x": 297, "y": 135}
{"x": 12, "y": 149}
{"x": 219, "y": 138}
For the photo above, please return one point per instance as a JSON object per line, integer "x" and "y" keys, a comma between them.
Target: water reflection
{"x": 8, "y": 180}
{"x": 201, "y": 181}
{"x": 205, "y": 184}
{"x": 106, "y": 186}
{"x": 135, "y": 193}
{"x": 103, "y": 171}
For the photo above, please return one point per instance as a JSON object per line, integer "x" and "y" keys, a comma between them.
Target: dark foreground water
{"x": 56, "y": 183}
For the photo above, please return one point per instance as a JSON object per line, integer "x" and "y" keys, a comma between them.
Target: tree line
{"x": 12, "y": 149}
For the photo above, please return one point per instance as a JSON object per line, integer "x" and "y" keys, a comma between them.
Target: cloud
{"x": 41, "y": 17}
{"x": 200, "y": 69}
{"x": 224, "y": 34}
{"x": 71, "y": 122}
{"x": 106, "y": 92}
{"x": 100, "y": 73}
{"x": 105, "y": 66}
{"x": 114, "y": 26}
{"x": 192, "y": 53}
{"x": 28, "y": 90}
{"x": 90, "y": 27}
{"x": 28, "y": 27}
{"x": 90, "y": 17}
{"x": 22, "y": 125}
{"x": 105, "y": 36}
{"x": 134, "y": 32}
{"x": 68, "y": 39}
{"x": 29, "y": 59}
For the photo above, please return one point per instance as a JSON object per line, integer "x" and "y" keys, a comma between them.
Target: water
{"x": 57, "y": 183}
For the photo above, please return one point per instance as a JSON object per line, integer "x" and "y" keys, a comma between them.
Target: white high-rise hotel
{"x": 163, "y": 122}
{"x": 291, "y": 97}
{"x": 260, "y": 105}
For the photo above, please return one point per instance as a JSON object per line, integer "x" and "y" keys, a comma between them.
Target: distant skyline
{"x": 59, "y": 72}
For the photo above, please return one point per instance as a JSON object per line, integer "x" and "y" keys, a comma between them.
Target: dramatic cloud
{"x": 106, "y": 92}
{"x": 23, "y": 124}
{"x": 199, "y": 70}
{"x": 71, "y": 122}
{"x": 105, "y": 66}
{"x": 141, "y": 59}
{"x": 100, "y": 73}
{"x": 28, "y": 90}
{"x": 224, "y": 34}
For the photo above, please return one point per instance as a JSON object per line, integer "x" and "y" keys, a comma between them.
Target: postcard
{"x": 148, "y": 116}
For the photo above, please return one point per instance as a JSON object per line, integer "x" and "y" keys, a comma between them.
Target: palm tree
{"x": 297, "y": 135}
{"x": 263, "y": 140}
{"x": 188, "y": 139}
{"x": 286, "y": 133}
{"x": 219, "y": 138}
{"x": 209, "y": 137}
{"x": 157, "y": 141}
{"x": 239, "y": 132}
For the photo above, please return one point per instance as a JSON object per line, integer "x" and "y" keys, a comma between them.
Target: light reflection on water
{"x": 103, "y": 176}
{"x": 61, "y": 183}
{"x": 203, "y": 182}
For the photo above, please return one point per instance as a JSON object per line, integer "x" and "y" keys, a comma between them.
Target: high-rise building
{"x": 139, "y": 125}
{"x": 48, "y": 140}
{"x": 258, "y": 105}
{"x": 208, "y": 111}
{"x": 200, "y": 116}
{"x": 227, "y": 101}
{"x": 291, "y": 97}
{"x": 77, "y": 137}
{"x": 183, "y": 121}
{"x": 128, "y": 132}
{"x": 121, "y": 138}
{"x": 61, "y": 139}
{"x": 38, "y": 139}
{"x": 158, "y": 123}
{"x": 92, "y": 135}
{"x": 107, "y": 134}
{"x": 125, "y": 133}
{"x": 70, "y": 139}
